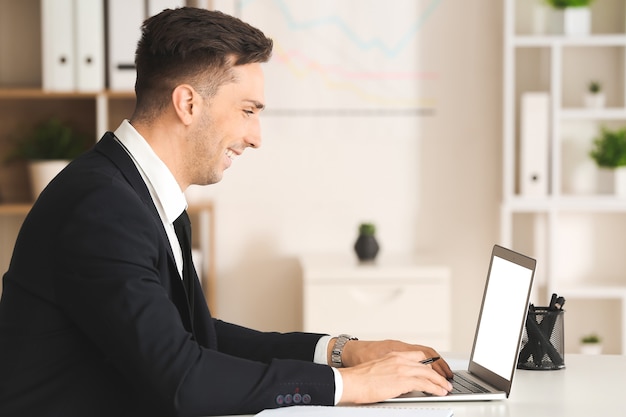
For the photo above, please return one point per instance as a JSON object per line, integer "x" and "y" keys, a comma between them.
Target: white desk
{"x": 589, "y": 386}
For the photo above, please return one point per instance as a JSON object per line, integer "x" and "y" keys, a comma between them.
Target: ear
{"x": 186, "y": 101}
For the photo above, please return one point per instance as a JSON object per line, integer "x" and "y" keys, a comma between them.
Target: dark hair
{"x": 194, "y": 46}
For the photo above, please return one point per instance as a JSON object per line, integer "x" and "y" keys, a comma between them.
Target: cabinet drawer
{"x": 393, "y": 308}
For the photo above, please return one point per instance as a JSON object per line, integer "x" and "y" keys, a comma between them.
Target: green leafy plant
{"x": 595, "y": 87}
{"x": 590, "y": 338}
{"x": 367, "y": 229}
{"x": 562, "y": 4}
{"x": 609, "y": 149}
{"x": 51, "y": 139}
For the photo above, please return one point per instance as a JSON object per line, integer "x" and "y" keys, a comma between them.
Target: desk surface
{"x": 588, "y": 386}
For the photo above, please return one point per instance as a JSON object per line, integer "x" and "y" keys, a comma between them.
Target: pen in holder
{"x": 543, "y": 340}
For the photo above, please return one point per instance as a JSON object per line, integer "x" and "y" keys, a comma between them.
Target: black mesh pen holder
{"x": 542, "y": 345}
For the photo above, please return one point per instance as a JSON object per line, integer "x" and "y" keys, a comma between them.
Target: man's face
{"x": 227, "y": 125}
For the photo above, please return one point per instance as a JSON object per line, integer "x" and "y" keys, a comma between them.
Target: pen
{"x": 430, "y": 360}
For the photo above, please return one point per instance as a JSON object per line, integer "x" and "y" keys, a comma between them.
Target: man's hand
{"x": 391, "y": 375}
{"x": 358, "y": 352}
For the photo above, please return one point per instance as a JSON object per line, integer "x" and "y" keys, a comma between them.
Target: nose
{"x": 253, "y": 138}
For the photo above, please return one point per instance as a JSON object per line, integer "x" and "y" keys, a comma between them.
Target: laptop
{"x": 498, "y": 334}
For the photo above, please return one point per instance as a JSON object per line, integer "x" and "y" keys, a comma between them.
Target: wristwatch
{"x": 340, "y": 342}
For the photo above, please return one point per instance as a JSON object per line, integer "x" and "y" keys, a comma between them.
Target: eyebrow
{"x": 257, "y": 104}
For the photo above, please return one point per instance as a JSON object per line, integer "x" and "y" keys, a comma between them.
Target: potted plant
{"x": 591, "y": 344}
{"x": 594, "y": 98}
{"x": 47, "y": 149}
{"x": 366, "y": 245}
{"x": 609, "y": 153}
{"x": 571, "y": 17}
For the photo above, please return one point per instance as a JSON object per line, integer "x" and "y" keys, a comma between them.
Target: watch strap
{"x": 336, "y": 353}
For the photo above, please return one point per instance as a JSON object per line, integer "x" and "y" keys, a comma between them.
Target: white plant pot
{"x": 571, "y": 21}
{"x": 612, "y": 181}
{"x": 594, "y": 101}
{"x": 42, "y": 172}
{"x": 591, "y": 348}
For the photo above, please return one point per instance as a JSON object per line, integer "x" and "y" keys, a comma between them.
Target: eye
{"x": 248, "y": 112}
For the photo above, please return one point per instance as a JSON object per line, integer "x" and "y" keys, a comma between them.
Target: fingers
{"x": 436, "y": 387}
{"x": 435, "y": 379}
{"x": 425, "y": 377}
{"x": 441, "y": 386}
{"x": 432, "y": 383}
{"x": 396, "y": 373}
{"x": 442, "y": 368}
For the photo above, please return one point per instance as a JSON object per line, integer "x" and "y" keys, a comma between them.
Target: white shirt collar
{"x": 164, "y": 189}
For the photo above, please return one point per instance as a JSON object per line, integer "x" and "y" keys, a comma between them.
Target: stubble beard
{"x": 204, "y": 163}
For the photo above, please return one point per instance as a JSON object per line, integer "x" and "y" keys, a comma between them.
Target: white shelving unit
{"x": 577, "y": 235}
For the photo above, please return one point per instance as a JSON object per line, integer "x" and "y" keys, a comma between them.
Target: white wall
{"x": 431, "y": 184}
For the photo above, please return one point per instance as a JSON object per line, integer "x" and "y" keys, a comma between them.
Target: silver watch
{"x": 335, "y": 356}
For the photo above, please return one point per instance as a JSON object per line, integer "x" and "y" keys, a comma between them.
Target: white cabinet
{"x": 577, "y": 234}
{"x": 393, "y": 298}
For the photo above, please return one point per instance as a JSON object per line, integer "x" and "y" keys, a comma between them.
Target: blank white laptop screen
{"x": 504, "y": 307}
{"x": 489, "y": 375}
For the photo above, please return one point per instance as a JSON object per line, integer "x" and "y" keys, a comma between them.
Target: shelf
{"x": 37, "y": 93}
{"x": 608, "y": 290}
{"x": 558, "y": 40}
{"x": 24, "y": 208}
{"x": 566, "y": 203}
{"x": 333, "y": 267}
{"x": 593, "y": 114}
{"x": 17, "y": 208}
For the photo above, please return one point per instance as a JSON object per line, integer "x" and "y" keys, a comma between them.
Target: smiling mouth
{"x": 230, "y": 154}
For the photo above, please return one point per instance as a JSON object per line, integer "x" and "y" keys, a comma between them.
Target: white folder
{"x": 124, "y": 23}
{"x": 225, "y": 6}
{"x": 57, "y": 45}
{"x": 534, "y": 144}
{"x": 157, "y": 6}
{"x": 201, "y": 4}
{"x": 89, "y": 41}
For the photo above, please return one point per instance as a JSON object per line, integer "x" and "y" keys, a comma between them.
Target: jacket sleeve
{"x": 113, "y": 281}
{"x": 265, "y": 346}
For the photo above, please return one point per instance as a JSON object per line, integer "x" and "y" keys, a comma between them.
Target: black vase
{"x": 366, "y": 247}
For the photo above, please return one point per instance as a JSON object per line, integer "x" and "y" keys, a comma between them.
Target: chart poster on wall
{"x": 360, "y": 56}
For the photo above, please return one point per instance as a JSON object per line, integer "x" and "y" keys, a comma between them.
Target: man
{"x": 102, "y": 315}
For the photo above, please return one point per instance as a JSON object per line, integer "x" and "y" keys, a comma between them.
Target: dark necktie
{"x": 182, "y": 226}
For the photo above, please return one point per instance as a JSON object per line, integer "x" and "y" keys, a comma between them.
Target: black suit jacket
{"x": 94, "y": 319}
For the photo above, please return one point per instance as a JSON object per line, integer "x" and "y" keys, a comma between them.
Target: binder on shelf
{"x": 89, "y": 41}
{"x": 534, "y": 144}
{"x": 157, "y": 6}
{"x": 201, "y": 4}
{"x": 124, "y": 27}
{"x": 225, "y": 6}
{"x": 57, "y": 45}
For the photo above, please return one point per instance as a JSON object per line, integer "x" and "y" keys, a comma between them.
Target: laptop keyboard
{"x": 462, "y": 385}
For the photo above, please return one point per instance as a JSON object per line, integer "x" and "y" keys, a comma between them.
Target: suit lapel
{"x": 113, "y": 150}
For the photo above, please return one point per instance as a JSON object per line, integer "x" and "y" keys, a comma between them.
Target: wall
{"x": 431, "y": 183}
